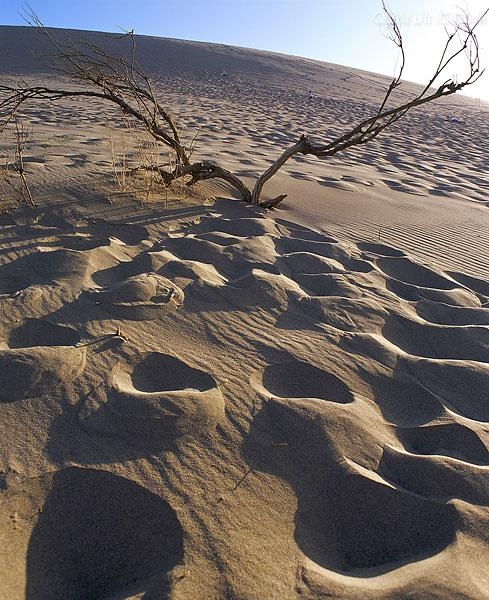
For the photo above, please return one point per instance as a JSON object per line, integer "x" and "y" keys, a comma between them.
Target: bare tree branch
{"x": 371, "y": 127}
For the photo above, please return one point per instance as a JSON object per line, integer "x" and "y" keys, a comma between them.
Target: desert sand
{"x": 202, "y": 399}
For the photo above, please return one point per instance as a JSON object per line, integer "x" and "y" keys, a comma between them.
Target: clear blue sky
{"x": 346, "y": 32}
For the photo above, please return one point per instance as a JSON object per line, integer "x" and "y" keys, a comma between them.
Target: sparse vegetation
{"x": 13, "y": 181}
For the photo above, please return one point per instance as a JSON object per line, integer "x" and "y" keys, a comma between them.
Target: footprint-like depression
{"x": 298, "y": 379}
{"x": 37, "y": 357}
{"x": 156, "y": 398}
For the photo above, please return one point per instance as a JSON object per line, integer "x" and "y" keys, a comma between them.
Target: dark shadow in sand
{"x": 99, "y": 535}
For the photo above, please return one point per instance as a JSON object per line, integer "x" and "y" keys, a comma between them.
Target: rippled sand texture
{"x": 203, "y": 400}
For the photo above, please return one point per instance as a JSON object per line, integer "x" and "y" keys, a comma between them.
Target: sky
{"x": 346, "y": 32}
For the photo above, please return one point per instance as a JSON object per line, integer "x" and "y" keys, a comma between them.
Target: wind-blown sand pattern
{"x": 205, "y": 400}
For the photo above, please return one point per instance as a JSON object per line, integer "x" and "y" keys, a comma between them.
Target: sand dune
{"x": 200, "y": 399}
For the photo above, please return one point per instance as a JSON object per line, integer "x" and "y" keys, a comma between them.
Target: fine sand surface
{"x": 200, "y": 399}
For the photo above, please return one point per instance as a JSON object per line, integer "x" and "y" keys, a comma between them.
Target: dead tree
{"x": 121, "y": 81}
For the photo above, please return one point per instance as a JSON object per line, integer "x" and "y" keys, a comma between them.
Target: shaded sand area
{"x": 199, "y": 399}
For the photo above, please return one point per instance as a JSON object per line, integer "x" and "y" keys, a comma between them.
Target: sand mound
{"x": 142, "y": 297}
{"x": 325, "y": 249}
{"x": 35, "y": 371}
{"x": 156, "y": 399}
{"x": 453, "y": 297}
{"x": 307, "y": 263}
{"x": 347, "y": 314}
{"x": 292, "y": 229}
{"x": 438, "y": 341}
{"x": 461, "y": 386}
{"x": 437, "y": 477}
{"x": 220, "y": 238}
{"x": 329, "y": 284}
{"x": 238, "y": 228}
{"x": 234, "y": 259}
{"x": 260, "y": 289}
{"x": 408, "y": 271}
{"x": 445, "y": 314}
{"x": 83, "y": 242}
{"x": 83, "y": 533}
{"x": 43, "y": 268}
{"x": 148, "y": 261}
{"x": 195, "y": 249}
{"x": 190, "y": 270}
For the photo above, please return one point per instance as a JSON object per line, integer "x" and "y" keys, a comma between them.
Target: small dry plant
{"x": 118, "y": 145}
{"x": 136, "y": 158}
{"x": 14, "y": 188}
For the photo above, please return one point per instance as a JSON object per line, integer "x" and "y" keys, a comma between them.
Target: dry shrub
{"x": 14, "y": 189}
